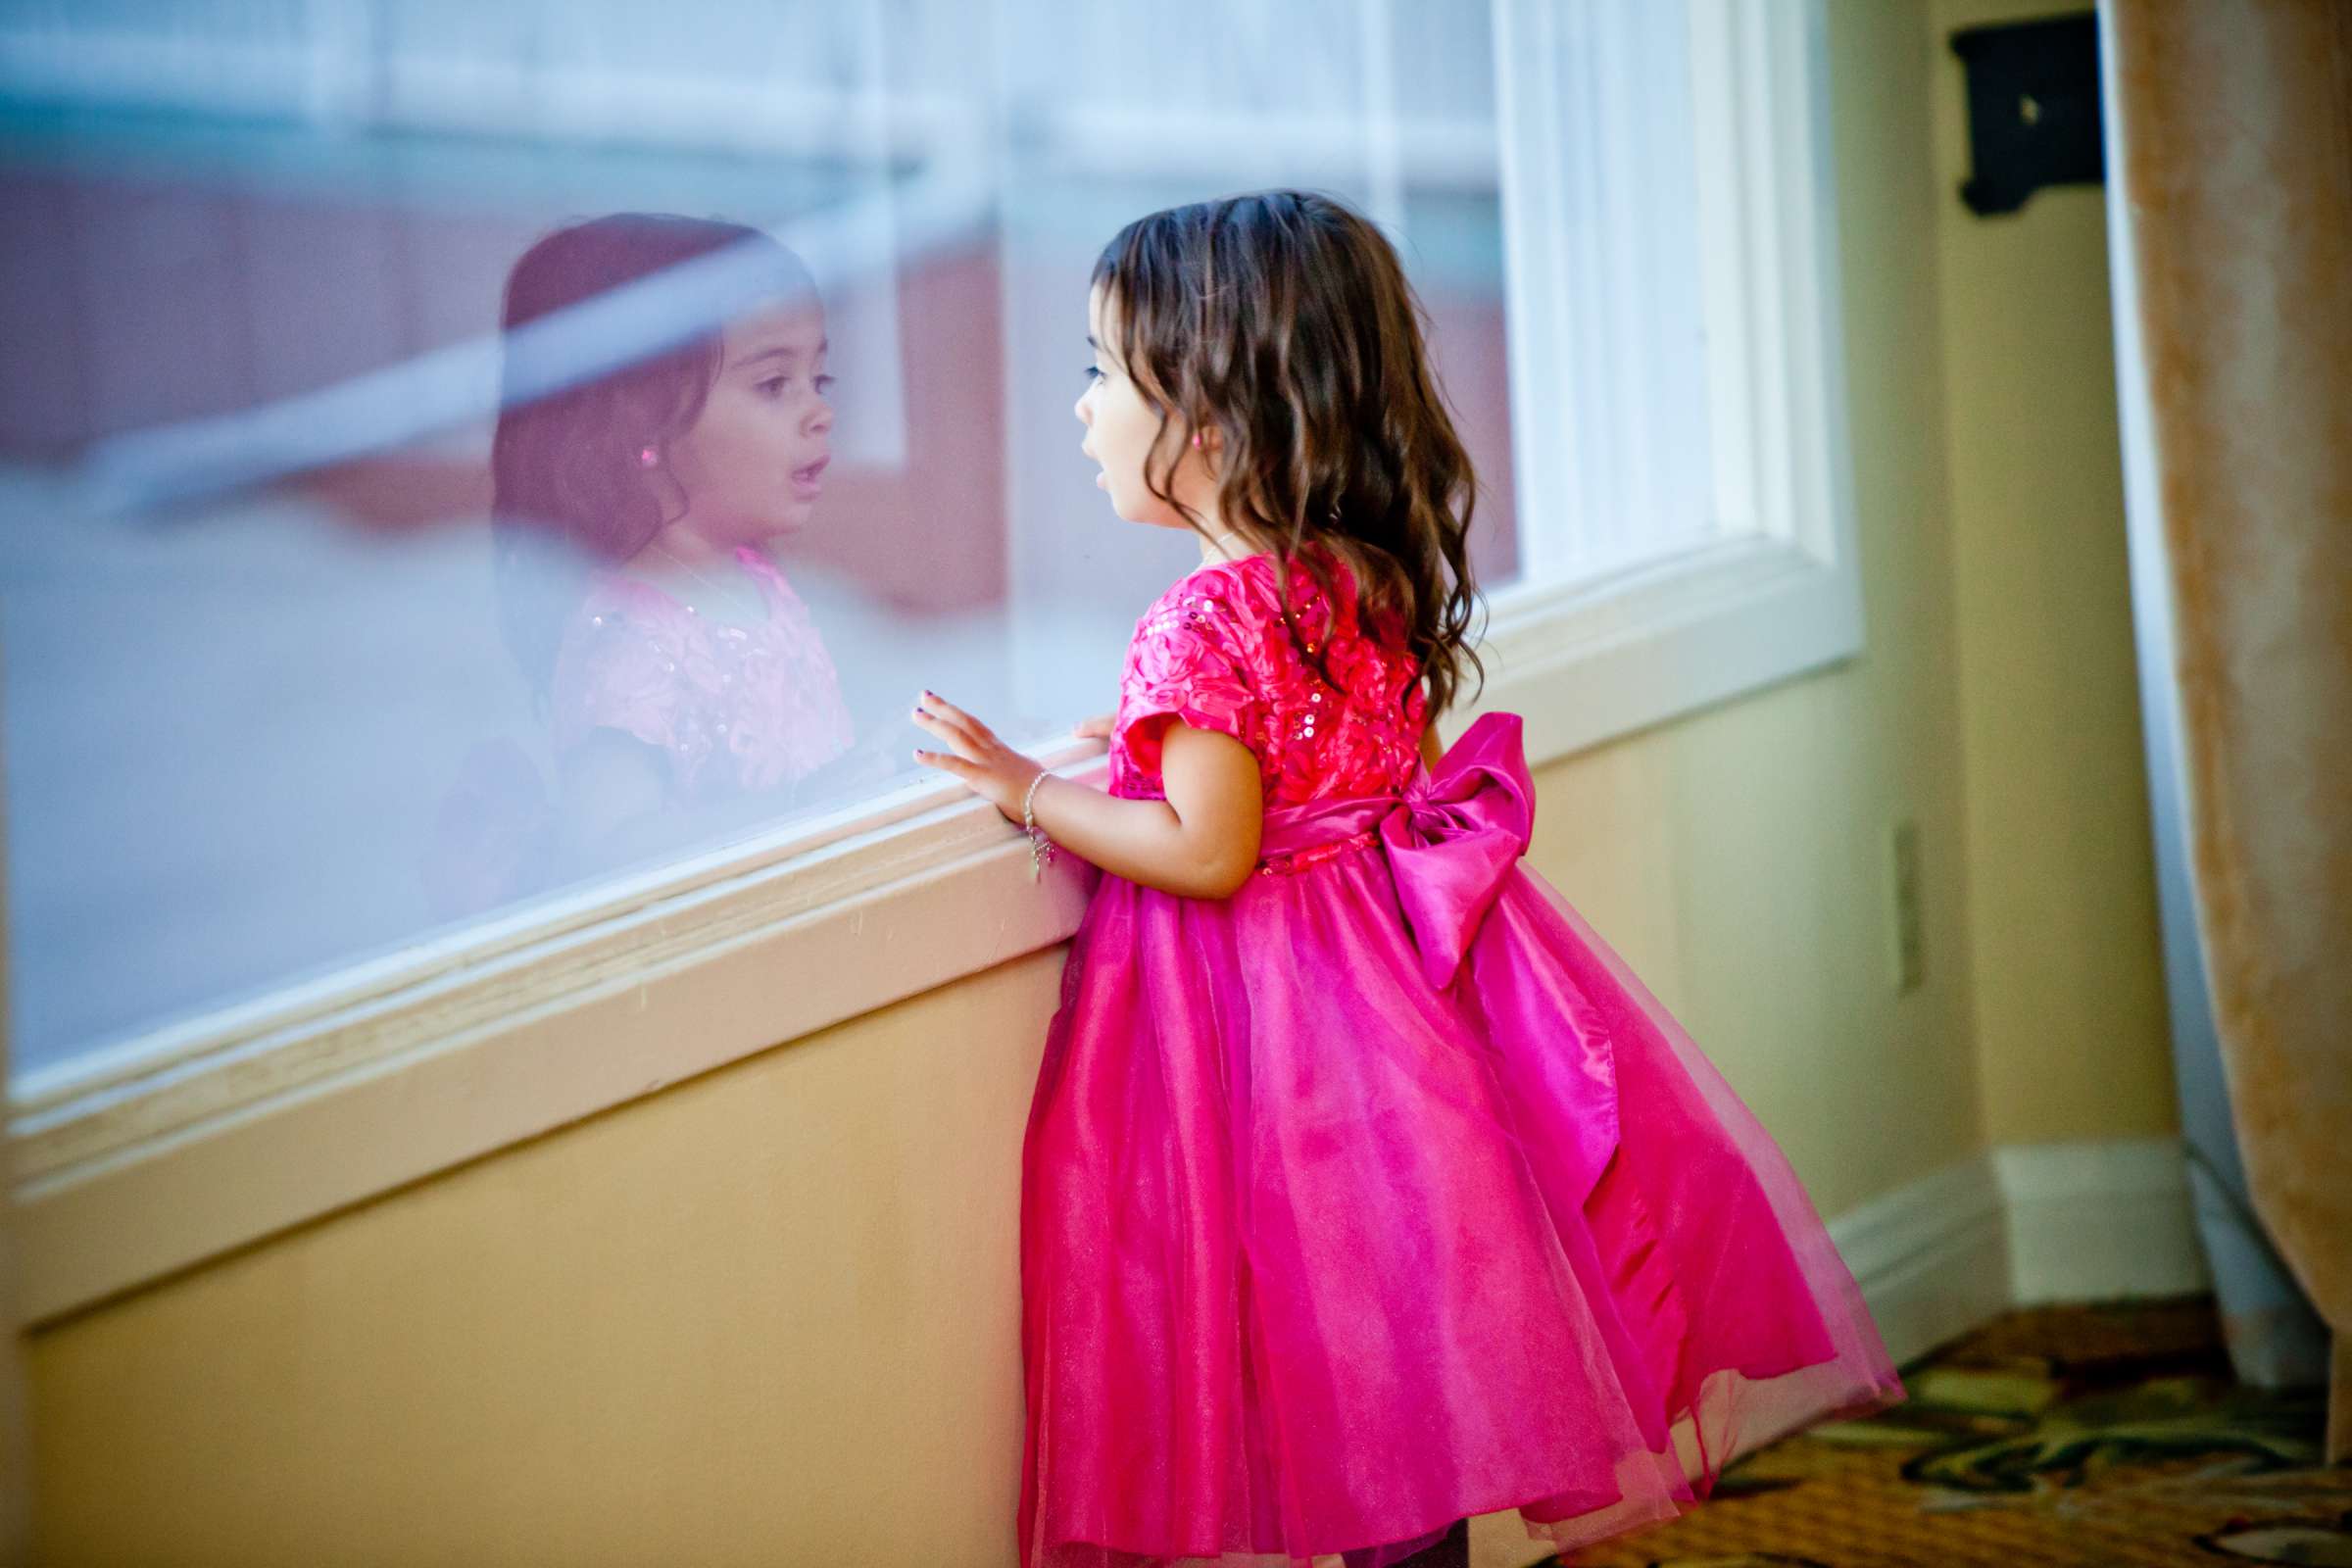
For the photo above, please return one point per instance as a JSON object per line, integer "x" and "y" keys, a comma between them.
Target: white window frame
{"x": 227, "y": 1128}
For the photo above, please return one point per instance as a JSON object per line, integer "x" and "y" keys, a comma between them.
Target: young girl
{"x": 1364, "y": 1189}
{"x": 681, "y": 683}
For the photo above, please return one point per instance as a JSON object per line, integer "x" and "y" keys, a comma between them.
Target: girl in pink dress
{"x": 1365, "y": 1189}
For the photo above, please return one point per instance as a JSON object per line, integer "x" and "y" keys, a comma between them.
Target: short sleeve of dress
{"x": 1186, "y": 662}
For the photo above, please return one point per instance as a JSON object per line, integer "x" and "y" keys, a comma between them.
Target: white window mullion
{"x": 1716, "y": 82}
{"x": 1539, "y": 325}
{"x": 1810, "y": 290}
{"x": 1384, "y": 158}
{"x": 1617, "y": 382}
{"x": 1586, "y": 123}
{"x": 1765, "y": 285}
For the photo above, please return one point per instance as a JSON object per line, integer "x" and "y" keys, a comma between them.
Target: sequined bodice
{"x": 1213, "y": 650}
{"x": 764, "y": 701}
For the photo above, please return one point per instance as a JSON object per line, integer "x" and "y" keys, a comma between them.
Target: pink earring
{"x": 648, "y": 458}
{"x": 1196, "y": 438}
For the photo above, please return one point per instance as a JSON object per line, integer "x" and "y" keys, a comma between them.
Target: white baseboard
{"x": 2098, "y": 1219}
{"x": 1931, "y": 1256}
{"x": 2020, "y": 1225}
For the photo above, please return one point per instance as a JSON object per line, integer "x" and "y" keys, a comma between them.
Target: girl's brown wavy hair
{"x": 1283, "y": 319}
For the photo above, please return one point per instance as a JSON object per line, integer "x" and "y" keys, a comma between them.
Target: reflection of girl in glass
{"x": 684, "y": 670}
{"x": 683, "y": 686}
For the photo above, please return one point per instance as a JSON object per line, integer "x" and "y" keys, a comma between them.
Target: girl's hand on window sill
{"x": 987, "y": 766}
{"x": 1098, "y": 727}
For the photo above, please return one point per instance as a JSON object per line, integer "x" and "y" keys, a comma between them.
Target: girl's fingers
{"x": 948, "y": 760}
{"x": 955, "y": 716}
{"x": 942, "y": 728}
{"x": 953, "y": 761}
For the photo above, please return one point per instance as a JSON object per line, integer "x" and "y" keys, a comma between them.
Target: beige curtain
{"x": 2231, "y": 136}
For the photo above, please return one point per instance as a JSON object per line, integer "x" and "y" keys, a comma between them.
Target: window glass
{"x": 365, "y": 357}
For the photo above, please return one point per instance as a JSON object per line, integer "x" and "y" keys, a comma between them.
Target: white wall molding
{"x": 1931, "y": 1256}
{"x": 2022, "y": 1225}
{"x": 2092, "y": 1219}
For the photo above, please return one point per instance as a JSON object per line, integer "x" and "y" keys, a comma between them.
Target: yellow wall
{"x": 770, "y": 1315}
{"x": 2068, "y": 977}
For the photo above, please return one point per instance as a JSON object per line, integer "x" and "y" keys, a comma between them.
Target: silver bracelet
{"x": 1037, "y": 835}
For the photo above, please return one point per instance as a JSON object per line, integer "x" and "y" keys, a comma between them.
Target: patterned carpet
{"x": 2075, "y": 1436}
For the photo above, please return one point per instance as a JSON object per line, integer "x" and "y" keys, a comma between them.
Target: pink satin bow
{"x": 1452, "y": 835}
{"x": 1455, "y": 836}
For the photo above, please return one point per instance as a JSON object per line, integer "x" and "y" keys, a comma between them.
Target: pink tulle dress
{"x": 1382, "y": 1194}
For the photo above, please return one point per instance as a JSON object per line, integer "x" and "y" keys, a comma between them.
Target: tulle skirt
{"x": 1382, "y": 1193}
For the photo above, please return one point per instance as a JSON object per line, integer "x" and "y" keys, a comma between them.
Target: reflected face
{"x": 752, "y": 465}
{"x": 1120, "y": 425}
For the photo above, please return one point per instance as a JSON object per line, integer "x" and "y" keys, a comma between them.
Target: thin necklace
{"x": 721, "y": 591}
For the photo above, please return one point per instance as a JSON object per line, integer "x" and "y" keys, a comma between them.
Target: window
{"x": 284, "y": 878}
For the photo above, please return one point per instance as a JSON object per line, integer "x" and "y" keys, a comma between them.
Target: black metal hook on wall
{"x": 2032, "y": 109}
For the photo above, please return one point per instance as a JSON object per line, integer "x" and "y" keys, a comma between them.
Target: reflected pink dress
{"x": 733, "y": 707}
{"x": 1382, "y": 1194}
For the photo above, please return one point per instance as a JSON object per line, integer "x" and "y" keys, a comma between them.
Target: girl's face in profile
{"x": 752, "y": 465}
{"x": 1120, "y": 425}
